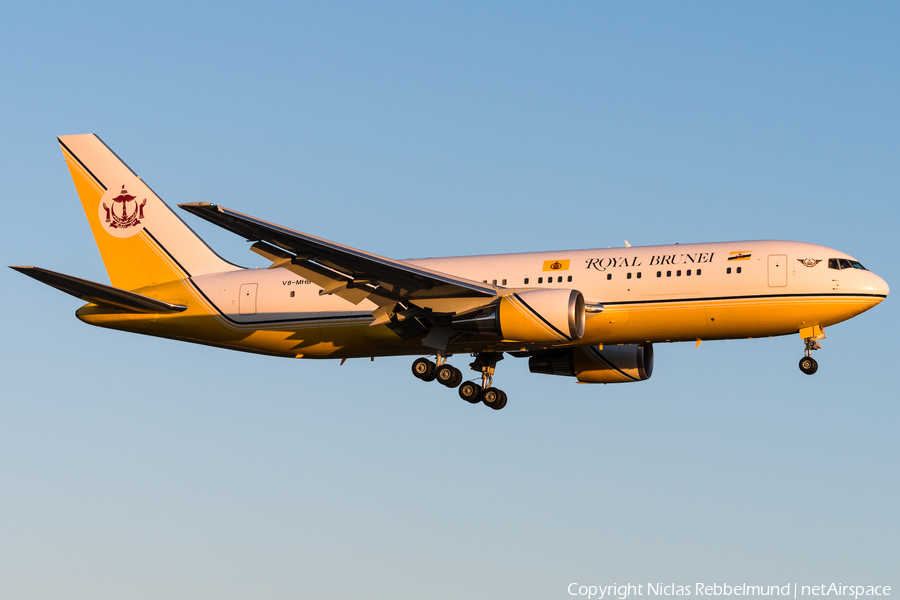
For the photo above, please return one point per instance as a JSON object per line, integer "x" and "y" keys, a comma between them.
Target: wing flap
{"x": 98, "y": 293}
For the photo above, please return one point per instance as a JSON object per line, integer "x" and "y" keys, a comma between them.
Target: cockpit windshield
{"x": 843, "y": 263}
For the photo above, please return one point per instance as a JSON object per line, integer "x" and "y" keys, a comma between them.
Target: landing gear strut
{"x": 486, "y": 362}
{"x": 449, "y": 376}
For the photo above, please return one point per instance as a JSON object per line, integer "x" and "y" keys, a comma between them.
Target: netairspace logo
{"x": 791, "y": 590}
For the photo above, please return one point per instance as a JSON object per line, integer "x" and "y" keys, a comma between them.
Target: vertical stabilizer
{"x": 142, "y": 242}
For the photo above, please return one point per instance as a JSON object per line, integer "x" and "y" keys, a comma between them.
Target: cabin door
{"x": 777, "y": 270}
{"x": 247, "y": 300}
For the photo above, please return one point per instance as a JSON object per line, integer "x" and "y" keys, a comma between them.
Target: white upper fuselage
{"x": 607, "y": 276}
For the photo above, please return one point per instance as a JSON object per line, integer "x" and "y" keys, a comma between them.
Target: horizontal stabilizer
{"x": 98, "y": 293}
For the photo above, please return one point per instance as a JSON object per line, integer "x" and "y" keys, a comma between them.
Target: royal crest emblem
{"x": 809, "y": 262}
{"x": 129, "y": 217}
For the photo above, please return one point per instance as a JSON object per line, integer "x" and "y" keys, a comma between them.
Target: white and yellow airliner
{"x": 589, "y": 314}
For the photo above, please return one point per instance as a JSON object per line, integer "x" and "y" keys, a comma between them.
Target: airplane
{"x": 592, "y": 315}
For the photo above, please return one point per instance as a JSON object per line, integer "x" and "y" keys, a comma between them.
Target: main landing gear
{"x": 450, "y": 376}
{"x": 808, "y": 364}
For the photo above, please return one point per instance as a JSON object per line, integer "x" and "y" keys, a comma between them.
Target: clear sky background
{"x": 132, "y": 467}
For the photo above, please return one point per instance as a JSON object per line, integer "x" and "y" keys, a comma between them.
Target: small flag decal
{"x": 556, "y": 265}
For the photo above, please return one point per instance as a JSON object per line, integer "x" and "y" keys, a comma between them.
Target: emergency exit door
{"x": 777, "y": 270}
{"x": 247, "y": 299}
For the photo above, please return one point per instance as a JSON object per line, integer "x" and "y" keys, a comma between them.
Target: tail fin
{"x": 142, "y": 242}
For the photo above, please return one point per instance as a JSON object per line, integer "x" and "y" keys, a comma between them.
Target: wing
{"x": 352, "y": 274}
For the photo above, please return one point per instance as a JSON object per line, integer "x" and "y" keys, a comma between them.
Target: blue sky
{"x": 133, "y": 467}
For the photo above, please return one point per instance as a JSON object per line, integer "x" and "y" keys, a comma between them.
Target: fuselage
{"x": 648, "y": 294}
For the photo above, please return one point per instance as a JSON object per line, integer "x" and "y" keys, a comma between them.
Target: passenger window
{"x": 608, "y": 276}
{"x": 659, "y": 273}
{"x": 292, "y": 294}
{"x": 526, "y": 281}
{"x": 540, "y": 280}
{"x": 495, "y": 282}
{"x": 639, "y": 274}
{"x": 668, "y": 273}
{"x": 728, "y": 270}
{"x": 628, "y": 276}
{"x": 678, "y": 273}
{"x": 688, "y": 273}
{"x": 738, "y": 269}
{"x": 698, "y": 271}
{"x": 559, "y": 279}
{"x": 504, "y": 282}
{"x": 570, "y": 278}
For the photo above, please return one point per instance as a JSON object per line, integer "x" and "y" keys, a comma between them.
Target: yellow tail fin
{"x": 142, "y": 242}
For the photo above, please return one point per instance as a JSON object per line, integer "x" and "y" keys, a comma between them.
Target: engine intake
{"x": 589, "y": 364}
{"x": 532, "y": 316}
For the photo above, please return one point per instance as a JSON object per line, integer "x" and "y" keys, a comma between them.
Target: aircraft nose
{"x": 877, "y": 285}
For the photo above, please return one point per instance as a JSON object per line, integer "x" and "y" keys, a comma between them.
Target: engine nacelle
{"x": 532, "y": 316}
{"x": 615, "y": 364}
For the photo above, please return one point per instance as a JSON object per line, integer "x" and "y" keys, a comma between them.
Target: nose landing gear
{"x": 811, "y": 335}
{"x": 449, "y": 376}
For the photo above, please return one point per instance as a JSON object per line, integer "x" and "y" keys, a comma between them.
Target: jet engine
{"x": 590, "y": 364}
{"x": 532, "y": 316}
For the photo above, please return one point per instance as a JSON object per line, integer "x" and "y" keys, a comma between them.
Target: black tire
{"x": 423, "y": 369}
{"x": 457, "y": 379}
{"x": 493, "y": 398}
{"x": 808, "y": 365}
{"x": 470, "y": 392}
{"x": 446, "y": 375}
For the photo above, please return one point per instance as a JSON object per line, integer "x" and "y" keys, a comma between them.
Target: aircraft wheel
{"x": 808, "y": 365}
{"x": 447, "y": 375}
{"x": 493, "y": 398}
{"x": 423, "y": 369}
{"x": 470, "y": 392}
{"x": 458, "y": 378}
